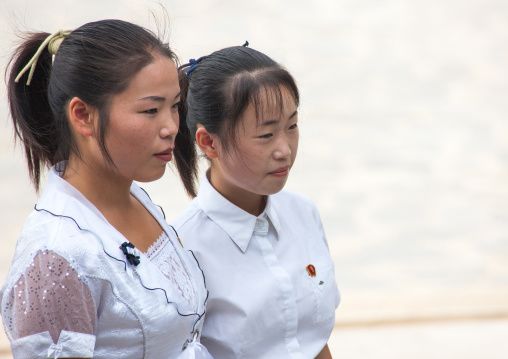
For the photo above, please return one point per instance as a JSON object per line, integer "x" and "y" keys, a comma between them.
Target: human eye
{"x": 176, "y": 105}
{"x": 293, "y": 126}
{"x": 266, "y": 135}
{"x": 151, "y": 111}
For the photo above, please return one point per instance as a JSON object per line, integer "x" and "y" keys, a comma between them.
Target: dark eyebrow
{"x": 272, "y": 122}
{"x": 269, "y": 122}
{"x": 157, "y": 98}
{"x": 153, "y": 98}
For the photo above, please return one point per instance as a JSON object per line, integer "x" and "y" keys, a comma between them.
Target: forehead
{"x": 159, "y": 76}
{"x": 268, "y": 104}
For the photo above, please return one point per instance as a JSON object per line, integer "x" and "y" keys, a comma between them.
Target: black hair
{"x": 220, "y": 88}
{"x": 94, "y": 62}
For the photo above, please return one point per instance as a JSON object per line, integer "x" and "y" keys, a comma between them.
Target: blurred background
{"x": 404, "y": 129}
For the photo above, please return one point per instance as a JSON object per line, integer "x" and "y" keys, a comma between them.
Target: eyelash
{"x": 153, "y": 111}
{"x": 268, "y": 135}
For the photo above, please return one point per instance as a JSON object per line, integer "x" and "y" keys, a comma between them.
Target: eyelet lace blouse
{"x": 162, "y": 253}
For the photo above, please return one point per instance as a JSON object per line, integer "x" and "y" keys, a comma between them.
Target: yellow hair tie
{"x": 53, "y": 42}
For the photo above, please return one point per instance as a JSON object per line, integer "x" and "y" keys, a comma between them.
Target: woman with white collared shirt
{"x": 80, "y": 284}
{"x": 263, "y": 249}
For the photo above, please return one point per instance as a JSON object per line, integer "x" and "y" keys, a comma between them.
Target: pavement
{"x": 403, "y": 124}
{"x": 462, "y": 339}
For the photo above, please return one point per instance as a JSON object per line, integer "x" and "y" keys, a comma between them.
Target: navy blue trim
{"x": 163, "y": 214}
{"x": 140, "y": 281}
{"x": 204, "y": 279}
{"x": 84, "y": 230}
{"x": 141, "y": 188}
{"x": 162, "y": 210}
{"x": 197, "y": 262}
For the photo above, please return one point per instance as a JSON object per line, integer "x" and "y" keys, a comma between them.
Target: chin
{"x": 274, "y": 190}
{"x": 154, "y": 176}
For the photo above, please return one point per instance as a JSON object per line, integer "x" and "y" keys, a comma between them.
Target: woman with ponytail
{"x": 90, "y": 276}
{"x": 263, "y": 248}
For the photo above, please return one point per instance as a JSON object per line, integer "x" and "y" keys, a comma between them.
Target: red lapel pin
{"x": 311, "y": 270}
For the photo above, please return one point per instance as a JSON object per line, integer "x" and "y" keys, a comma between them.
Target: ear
{"x": 81, "y": 117}
{"x": 207, "y": 142}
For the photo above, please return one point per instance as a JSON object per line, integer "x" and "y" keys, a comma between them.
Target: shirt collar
{"x": 60, "y": 198}
{"x": 272, "y": 214}
{"x": 236, "y": 222}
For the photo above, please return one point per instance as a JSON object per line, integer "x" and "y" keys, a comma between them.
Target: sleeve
{"x": 50, "y": 312}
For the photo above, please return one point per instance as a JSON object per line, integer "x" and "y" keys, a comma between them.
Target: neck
{"x": 252, "y": 203}
{"x": 99, "y": 186}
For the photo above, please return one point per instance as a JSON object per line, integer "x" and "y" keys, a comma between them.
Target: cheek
{"x": 294, "y": 149}
{"x": 128, "y": 140}
{"x": 294, "y": 145}
{"x": 240, "y": 164}
{"x": 256, "y": 158}
{"x": 235, "y": 164}
{"x": 132, "y": 129}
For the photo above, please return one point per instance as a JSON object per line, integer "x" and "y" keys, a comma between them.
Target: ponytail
{"x": 216, "y": 90}
{"x": 185, "y": 150}
{"x": 34, "y": 123}
{"x": 87, "y": 67}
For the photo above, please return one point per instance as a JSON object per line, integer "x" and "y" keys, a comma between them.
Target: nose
{"x": 282, "y": 149}
{"x": 170, "y": 125}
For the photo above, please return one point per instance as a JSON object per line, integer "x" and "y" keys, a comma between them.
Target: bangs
{"x": 265, "y": 89}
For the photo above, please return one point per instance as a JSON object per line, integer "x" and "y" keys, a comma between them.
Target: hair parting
{"x": 222, "y": 86}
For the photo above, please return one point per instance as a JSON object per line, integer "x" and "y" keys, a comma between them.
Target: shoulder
{"x": 44, "y": 231}
{"x": 291, "y": 200}
{"x": 196, "y": 229}
{"x": 292, "y": 207}
{"x": 189, "y": 215}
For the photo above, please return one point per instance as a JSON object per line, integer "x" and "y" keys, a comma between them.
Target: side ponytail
{"x": 185, "y": 150}
{"x": 33, "y": 120}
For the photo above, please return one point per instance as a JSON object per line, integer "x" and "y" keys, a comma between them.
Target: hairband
{"x": 192, "y": 64}
{"x": 53, "y": 42}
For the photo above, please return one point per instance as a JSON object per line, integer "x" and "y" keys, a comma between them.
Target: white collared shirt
{"x": 263, "y": 303}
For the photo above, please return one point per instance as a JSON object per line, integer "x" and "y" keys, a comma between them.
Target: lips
{"x": 281, "y": 172}
{"x": 165, "y": 156}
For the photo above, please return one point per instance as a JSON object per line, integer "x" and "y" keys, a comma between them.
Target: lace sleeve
{"x": 50, "y": 296}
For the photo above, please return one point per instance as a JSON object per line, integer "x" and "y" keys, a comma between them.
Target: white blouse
{"x": 264, "y": 302}
{"x": 71, "y": 291}
{"x": 163, "y": 254}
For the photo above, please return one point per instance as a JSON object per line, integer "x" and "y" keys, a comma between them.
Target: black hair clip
{"x": 246, "y": 44}
{"x": 130, "y": 252}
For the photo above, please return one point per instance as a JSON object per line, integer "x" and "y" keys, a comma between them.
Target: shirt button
{"x": 259, "y": 225}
